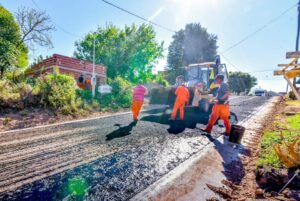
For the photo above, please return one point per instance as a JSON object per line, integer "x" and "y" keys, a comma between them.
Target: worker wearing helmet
{"x": 183, "y": 97}
{"x": 221, "y": 106}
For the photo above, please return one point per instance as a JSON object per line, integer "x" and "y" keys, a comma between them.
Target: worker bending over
{"x": 221, "y": 106}
{"x": 139, "y": 93}
{"x": 183, "y": 97}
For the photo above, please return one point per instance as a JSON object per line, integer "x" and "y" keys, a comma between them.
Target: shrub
{"x": 15, "y": 95}
{"x": 161, "y": 80}
{"x": 121, "y": 95}
{"x": 84, "y": 94}
{"x": 57, "y": 91}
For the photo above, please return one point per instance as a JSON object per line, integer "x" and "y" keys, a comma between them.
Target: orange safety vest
{"x": 182, "y": 94}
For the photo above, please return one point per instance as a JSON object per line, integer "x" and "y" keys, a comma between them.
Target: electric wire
{"x": 260, "y": 28}
{"x": 56, "y": 24}
{"x": 138, "y": 16}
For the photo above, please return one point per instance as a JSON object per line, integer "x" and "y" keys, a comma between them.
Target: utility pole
{"x": 297, "y": 38}
{"x": 93, "y": 75}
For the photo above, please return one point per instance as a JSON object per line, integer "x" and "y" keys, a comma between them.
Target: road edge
{"x": 78, "y": 120}
{"x": 188, "y": 180}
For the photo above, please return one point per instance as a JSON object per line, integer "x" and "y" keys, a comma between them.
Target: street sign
{"x": 94, "y": 81}
{"x": 104, "y": 89}
{"x": 292, "y": 55}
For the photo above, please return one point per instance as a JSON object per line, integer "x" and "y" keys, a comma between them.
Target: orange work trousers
{"x": 221, "y": 111}
{"x": 136, "y": 108}
{"x": 178, "y": 105}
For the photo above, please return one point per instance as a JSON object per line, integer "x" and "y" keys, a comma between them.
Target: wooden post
{"x": 292, "y": 87}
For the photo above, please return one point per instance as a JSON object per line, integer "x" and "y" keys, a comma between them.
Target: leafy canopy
{"x": 130, "y": 53}
{"x": 13, "y": 52}
{"x": 241, "y": 82}
{"x": 191, "y": 45}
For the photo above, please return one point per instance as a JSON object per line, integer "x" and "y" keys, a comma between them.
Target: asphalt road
{"x": 102, "y": 159}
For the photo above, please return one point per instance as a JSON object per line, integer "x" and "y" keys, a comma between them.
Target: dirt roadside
{"x": 32, "y": 117}
{"x": 221, "y": 171}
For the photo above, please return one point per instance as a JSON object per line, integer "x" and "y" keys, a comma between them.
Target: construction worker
{"x": 213, "y": 89}
{"x": 139, "y": 93}
{"x": 81, "y": 82}
{"x": 183, "y": 97}
{"x": 221, "y": 106}
{"x": 199, "y": 91}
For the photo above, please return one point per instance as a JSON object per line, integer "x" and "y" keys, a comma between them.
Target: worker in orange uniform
{"x": 221, "y": 107}
{"x": 183, "y": 97}
{"x": 139, "y": 93}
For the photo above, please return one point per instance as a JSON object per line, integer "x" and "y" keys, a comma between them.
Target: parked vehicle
{"x": 260, "y": 92}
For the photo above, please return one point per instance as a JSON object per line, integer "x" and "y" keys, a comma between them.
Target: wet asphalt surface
{"x": 102, "y": 159}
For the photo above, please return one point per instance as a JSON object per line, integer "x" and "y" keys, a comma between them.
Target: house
{"x": 69, "y": 66}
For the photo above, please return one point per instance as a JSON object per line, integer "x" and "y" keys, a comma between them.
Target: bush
{"x": 15, "y": 95}
{"x": 84, "y": 94}
{"x": 121, "y": 95}
{"x": 161, "y": 80}
{"x": 292, "y": 96}
{"x": 57, "y": 91}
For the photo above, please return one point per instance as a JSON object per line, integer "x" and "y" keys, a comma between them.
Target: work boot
{"x": 225, "y": 134}
{"x": 206, "y": 131}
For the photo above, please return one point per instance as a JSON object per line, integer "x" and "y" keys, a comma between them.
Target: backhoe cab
{"x": 205, "y": 73}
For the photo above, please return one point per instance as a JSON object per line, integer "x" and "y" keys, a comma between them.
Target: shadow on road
{"x": 175, "y": 127}
{"x": 233, "y": 167}
{"x": 121, "y": 131}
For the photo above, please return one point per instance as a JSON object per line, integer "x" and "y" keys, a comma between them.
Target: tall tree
{"x": 13, "y": 52}
{"x": 241, "y": 82}
{"x": 130, "y": 53}
{"x": 191, "y": 45}
{"x": 36, "y": 27}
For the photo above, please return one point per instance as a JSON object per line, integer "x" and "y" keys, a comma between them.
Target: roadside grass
{"x": 293, "y": 102}
{"x": 285, "y": 128}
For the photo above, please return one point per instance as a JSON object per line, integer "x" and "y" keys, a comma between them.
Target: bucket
{"x": 236, "y": 134}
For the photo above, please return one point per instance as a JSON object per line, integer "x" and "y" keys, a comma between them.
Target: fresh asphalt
{"x": 108, "y": 158}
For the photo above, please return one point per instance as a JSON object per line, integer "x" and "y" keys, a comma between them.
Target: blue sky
{"x": 231, "y": 20}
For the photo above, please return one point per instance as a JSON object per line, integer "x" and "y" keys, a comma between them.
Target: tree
{"x": 13, "y": 52}
{"x": 241, "y": 82}
{"x": 36, "y": 27}
{"x": 130, "y": 53}
{"x": 190, "y": 45}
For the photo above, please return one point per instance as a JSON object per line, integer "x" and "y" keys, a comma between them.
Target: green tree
{"x": 130, "y": 53}
{"x": 241, "y": 82}
{"x": 13, "y": 53}
{"x": 191, "y": 45}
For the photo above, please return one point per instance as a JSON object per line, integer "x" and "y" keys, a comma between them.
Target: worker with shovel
{"x": 183, "y": 97}
{"x": 221, "y": 106}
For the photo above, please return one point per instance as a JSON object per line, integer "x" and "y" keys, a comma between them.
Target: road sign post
{"x": 290, "y": 70}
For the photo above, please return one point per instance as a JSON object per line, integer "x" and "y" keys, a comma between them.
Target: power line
{"x": 251, "y": 72}
{"x": 261, "y": 71}
{"x": 56, "y": 24}
{"x": 228, "y": 61}
{"x": 260, "y": 29}
{"x": 138, "y": 16}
